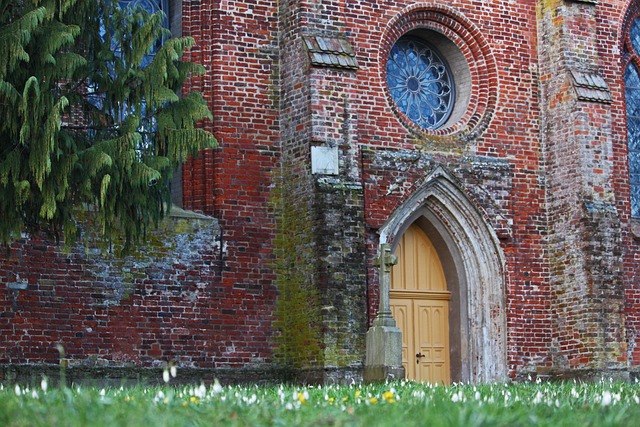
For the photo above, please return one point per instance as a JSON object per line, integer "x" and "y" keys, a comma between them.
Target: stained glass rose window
{"x": 420, "y": 82}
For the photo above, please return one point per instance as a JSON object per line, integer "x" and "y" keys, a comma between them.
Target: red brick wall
{"x": 613, "y": 23}
{"x": 162, "y": 304}
{"x": 238, "y": 44}
{"x": 269, "y": 104}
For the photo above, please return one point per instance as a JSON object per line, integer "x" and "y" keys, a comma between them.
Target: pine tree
{"x": 89, "y": 120}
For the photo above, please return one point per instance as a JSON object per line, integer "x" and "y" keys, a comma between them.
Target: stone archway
{"x": 473, "y": 266}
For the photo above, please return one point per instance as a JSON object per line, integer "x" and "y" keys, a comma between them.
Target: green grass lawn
{"x": 393, "y": 404}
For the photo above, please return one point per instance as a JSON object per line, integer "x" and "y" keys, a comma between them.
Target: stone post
{"x": 385, "y": 261}
{"x": 384, "y": 339}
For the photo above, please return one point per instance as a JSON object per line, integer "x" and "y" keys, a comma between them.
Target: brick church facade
{"x": 492, "y": 146}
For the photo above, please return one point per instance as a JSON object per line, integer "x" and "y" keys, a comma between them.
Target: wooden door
{"x": 420, "y": 305}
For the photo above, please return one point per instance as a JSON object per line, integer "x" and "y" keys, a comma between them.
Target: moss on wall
{"x": 297, "y": 324}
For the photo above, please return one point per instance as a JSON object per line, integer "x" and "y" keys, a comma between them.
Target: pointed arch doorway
{"x": 472, "y": 263}
{"x": 420, "y": 304}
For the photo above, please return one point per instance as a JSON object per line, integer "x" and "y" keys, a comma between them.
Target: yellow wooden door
{"x": 420, "y": 305}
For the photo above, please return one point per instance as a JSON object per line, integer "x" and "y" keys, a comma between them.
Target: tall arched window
{"x": 151, "y": 6}
{"x": 632, "y": 90}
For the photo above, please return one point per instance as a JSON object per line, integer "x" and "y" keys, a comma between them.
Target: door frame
{"x": 473, "y": 264}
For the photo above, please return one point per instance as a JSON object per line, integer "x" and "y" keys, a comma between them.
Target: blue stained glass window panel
{"x": 420, "y": 82}
{"x": 631, "y": 77}
{"x": 151, "y": 6}
{"x": 635, "y": 201}
{"x": 634, "y": 165}
{"x": 632, "y": 92}
{"x": 635, "y": 35}
{"x": 633, "y": 137}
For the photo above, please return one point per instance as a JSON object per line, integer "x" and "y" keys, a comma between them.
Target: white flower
{"x": 606, "y": 398}
{"x": 165, "y": 375}
{"x": 44, "y": 385}
{"x": 201, "y": 391}
{"x": 216, "y": 388}
{"x": 17, "y": 390}
{"x": 537, "y": 399}
{"x": 173, "y": 371}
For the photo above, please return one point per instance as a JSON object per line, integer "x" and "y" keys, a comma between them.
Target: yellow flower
{"x": 193, "y": 399}
{"x": 358, "y": 393}
{"x": 373, "y": 400}
{"x": 185, "y": 404}
{"x": 301, "y": 398}
{"x": 331, "y": 399}
{"x": 388, "y": 396}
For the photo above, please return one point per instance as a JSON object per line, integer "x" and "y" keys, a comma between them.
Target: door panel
{"x": 419, "y": 266}
{"x": 402, "y": 310}
{"x": 420, "y": 305}
{"x": 432, "y": 318}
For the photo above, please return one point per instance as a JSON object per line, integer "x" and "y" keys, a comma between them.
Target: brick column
{"x": 584, "y": 229}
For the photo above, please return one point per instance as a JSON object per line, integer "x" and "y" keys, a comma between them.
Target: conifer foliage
{"x": 90, "y": 120}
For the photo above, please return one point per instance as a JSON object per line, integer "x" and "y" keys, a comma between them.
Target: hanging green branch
{"x": 90, "y": 118}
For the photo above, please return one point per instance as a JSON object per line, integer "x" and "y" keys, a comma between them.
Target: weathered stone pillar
{"x": 384, "y": 339}
{"x": 341, "y": 273}
{"x": 584, "y": 227}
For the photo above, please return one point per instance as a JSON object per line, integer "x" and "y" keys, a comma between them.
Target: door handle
{"x": 419, "y": 356}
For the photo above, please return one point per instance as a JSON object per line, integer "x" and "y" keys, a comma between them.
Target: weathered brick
{"x": 545, "y": 169}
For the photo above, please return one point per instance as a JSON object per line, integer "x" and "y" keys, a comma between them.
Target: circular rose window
{"x": 420, "y": 82}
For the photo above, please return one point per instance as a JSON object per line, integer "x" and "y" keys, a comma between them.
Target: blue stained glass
{"x": 634, "y": 165}
{"x": 151, "y": 6}
{"x": 635, "y": 201}
{"x": 632, "y": 92}
{"x": 635, "y": 35}
{"x": 420, "y": 82}
{"x": 633, "y": 135}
